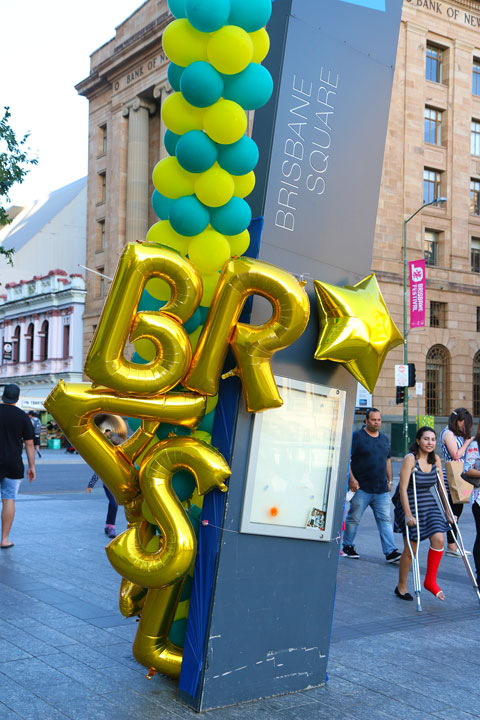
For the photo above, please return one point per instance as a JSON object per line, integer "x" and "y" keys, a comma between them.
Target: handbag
{"x": 460, "y": 490}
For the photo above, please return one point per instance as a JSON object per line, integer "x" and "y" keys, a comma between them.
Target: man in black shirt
{"x": 370, "y": 478}
{"x": 15, "y": 429}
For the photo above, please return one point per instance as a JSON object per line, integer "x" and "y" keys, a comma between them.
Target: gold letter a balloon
{"x": 356, "y": 328}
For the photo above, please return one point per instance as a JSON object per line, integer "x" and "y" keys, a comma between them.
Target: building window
{"x": 474, "y": 196}
{"x": 44, "y": 341}
{"x": 103, "y": 139}
{"x": 476, "y": 384}
{"x": 475, "y": 138}
{"x": 437, "y": 379}
{"x": 476, "y": 77}
{"x": 100, "y": 282}
{"x": 16, "y": 345}
{"x": 433, "y": 126}
{"x": 433, "y": 65}
{"x": 100, "y": 235}
{"x": 478, "y": 319}
{"x": 430, "y": 247}
{"x": 102, "y": 187}
{"x": 431, "y": 184}
{"x": 475, "y": 254}
{"x": 66, "y": 341}
{"x": 438, "y": 314}
{"x": 29, "y": 344}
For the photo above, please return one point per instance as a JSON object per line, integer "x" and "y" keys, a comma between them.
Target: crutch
{"x": 442, "y": 494}
{"x": 417, "y": 585}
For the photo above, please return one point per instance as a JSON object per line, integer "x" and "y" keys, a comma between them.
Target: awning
{"x": 32, "y": 397}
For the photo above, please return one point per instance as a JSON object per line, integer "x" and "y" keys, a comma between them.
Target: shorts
{"x": 36, "y": 439}
{"x": 9, "y": 488}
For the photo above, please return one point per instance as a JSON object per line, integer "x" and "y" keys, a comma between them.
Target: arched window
{"x": 29, "y": 338}
{"x": 16, "y": 344}
{"x": 437, "y": 380}
{"x": 476, "y": 384}
{"x": 44, "y": 341}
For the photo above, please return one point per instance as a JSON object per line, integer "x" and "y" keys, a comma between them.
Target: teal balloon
{"x": 207, "y": 15}
{"x": 174, "y": 75}
{"x": 183, "y": 484}
{"x": 251, "y": 15}
{"x": 178, "y": 630}
{"x": 136, "y": 358}
{"x": 232, "y": 218}
{"x": 161, "y": 205}
{"x": 170, "y": 141}
{"x": 188, "y": 216}
{"x": 201, "y": 84}
{"x": 238, "y": 158}
{"x": 148, "y": 303}
{"x": 165, "y": 429}
{"x": 193, "y": 323}
{"x": 250, "y": 88}
{"x": 196, "y": 152}
{"x": 134, "y": 423}
{"x": 207, "y": 423}
{"x": 204, "y": 313}
{"x": 177, "y": 8}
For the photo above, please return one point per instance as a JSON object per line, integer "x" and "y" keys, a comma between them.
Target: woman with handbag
{"x": 455, "y": 440}
{"x": 471, "y": 473}
{"x": 420, "y": 466}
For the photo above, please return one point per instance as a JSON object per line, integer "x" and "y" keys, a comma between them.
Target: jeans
{"x": 112, "y": 507}
{"x": 380, "y": 504}
{"x": 476, "y": 547}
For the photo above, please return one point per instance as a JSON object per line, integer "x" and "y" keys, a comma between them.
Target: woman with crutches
{"x": 416, "y": 509}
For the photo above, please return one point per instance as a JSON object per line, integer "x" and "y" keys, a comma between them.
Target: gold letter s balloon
{"x": 253, "y": 346}
{"x": 105, "y": 363}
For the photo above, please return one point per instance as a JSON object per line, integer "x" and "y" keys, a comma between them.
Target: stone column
{"x": 162, "y": 91}
{"x": 138, "y": 199}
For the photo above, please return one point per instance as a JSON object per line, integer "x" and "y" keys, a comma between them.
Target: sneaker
{"x": 394, "y": 556}
{"x": 349, "y": 551}
{"x": 456, "y": 553}
{"x": 110, "y": 532}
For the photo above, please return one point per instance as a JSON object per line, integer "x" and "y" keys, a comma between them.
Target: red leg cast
{"x": 433, "y": 561}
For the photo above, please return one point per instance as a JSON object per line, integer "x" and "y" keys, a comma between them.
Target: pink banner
{"x": 417, "y": 293}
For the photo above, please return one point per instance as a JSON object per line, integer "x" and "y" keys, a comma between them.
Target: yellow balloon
{"x": 214, "y": 187}
{"x": 179, "y": 116}
{"x": 171, "y": 180}
{"x": 210, "y": 283}
{"x": 230, "y": 49}
{"x": 209, "y": 251}
{"x": 252, "y": 345}
{"x": 106, "y": 363}
{"x": 146, "y": 349}
{"x": 261, "y": 45}
{"x": 211, "y": 404}
{"x": 203, "y": 436}
{"x": 132, "y": 598}
{"x": 225, "y": 122}
{"x": 158, "y": 289}
{"x": 176, "y": 555}
{"x": 238, "y": 243}
{"x": 163, "y": 233}
{"x": 244, "y": 184}
{"x": 183, "y": 44}
{"x": 195, "y": 336}
{"x": 356, "y": 328}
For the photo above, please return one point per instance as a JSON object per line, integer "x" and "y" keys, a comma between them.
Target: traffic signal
{"x": 400, "y": 398}
{"x": 412, "y": 377}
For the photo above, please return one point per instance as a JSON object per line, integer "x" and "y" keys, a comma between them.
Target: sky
{"x": 44, "y": 52}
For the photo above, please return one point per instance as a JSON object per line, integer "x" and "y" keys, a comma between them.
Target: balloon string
{"x": 207, "y": 522}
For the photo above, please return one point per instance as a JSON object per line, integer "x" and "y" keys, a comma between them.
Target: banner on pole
{"x": 417, "y": 293}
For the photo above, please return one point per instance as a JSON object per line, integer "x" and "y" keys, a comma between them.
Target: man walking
{"x": 37, "y": 429}
{"x": 370, "y": 478}
{"x": 15, "y": 429}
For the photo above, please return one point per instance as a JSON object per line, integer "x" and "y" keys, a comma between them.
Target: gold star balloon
{"x": 356, "y": 328}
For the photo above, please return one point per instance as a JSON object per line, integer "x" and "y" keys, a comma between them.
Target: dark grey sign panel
{"x": 321, "y": 140}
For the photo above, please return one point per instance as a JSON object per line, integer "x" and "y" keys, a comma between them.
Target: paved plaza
{"x": 65, "y": 650}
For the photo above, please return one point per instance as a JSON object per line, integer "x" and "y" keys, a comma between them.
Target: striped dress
{"x": 446, "y": 455}
{"x": 430, "y": 517}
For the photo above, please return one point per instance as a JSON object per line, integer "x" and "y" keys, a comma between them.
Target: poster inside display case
{"x": 293, "y": 463}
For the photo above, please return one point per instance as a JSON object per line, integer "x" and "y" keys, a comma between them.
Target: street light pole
{"x": 437, "y": 201}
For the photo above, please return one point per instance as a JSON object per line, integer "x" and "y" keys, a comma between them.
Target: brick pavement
{"x": 65, "y": 650}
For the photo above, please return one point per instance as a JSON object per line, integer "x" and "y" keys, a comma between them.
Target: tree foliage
{"x": 14, "y": 162}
